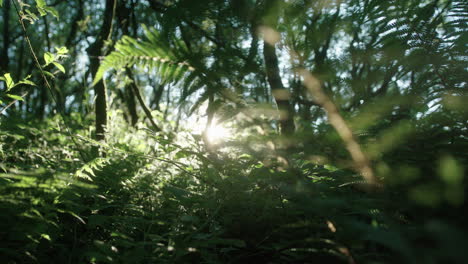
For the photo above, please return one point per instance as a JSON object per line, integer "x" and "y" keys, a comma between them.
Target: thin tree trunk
{"x": 74, "y": 25}
{"x": 5, "y": 61}
{"x": 46, "y": 33}
{"x": 280, "y": 94}
{"x": 158, "y": 92}
{"x": 123, "y": 16}
{"x": 136, "y": 90}
{"x": 94, "y": 52}
{"x": 271, "y": 14}
{"x": 131, "y": 104}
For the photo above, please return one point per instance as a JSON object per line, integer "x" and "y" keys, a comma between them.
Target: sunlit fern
{"x": 155, "y": 52}
{"x": 152, "y": 53}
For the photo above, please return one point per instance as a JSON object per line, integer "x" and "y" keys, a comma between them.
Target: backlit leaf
{"x": 49, "y": 58}
{"x": 15, "y": 97}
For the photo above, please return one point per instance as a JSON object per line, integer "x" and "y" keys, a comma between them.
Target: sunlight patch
{"x": 217, "y": 133}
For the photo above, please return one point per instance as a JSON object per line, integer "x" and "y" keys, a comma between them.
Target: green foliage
{"x": 396, "y": 71}
{"x": 159, "y": 202}
{"x": 54, "y": 58}
{"x": 151, "y": 53}
{"x": 42, "y": 8}
{"x": 10, "y": 84}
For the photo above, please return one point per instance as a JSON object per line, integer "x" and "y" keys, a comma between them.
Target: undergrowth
{"x": 151, "y": 200}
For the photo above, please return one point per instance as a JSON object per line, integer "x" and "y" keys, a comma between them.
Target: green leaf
{"x": 49, "y": 74}
{"x": 27, "y": 82}
{"x": 61, "y": 50}
{"x": 152, "y": 53}
{"x": 9, "y": 81}
{"x": 72, "y": 214}
{"x": 41, "y": 3}
{"x": 42, "y": 12}
{"x": 49, "y": 58}
{"x": 450, "y": 171}
{"x": 59, "y": 66}
{"x": 46, "y": 236}
{"x": 15, "y": 97}
{"x": 32, "y": 16}
{"x": 1, "y": 3}
{"x": 51, "y": 10}
{"x": 99, "y": 75}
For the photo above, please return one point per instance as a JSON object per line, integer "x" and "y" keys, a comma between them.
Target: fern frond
{"x": 87, "y": 170}
{"x": 150, "y": 53}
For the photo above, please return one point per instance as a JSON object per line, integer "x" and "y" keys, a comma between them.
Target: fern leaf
{"x": 150, "y": 53}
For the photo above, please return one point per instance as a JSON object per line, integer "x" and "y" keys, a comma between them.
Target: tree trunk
{"x": 129, "y": 97}
{"x": 158, "y": 90}
{"x": 94, "y": 52}
{"x": 136, "y": 91}
{"x": 123, "y": 16}
{"x": 5, "y": 61}
{"x": 280, "y": 94}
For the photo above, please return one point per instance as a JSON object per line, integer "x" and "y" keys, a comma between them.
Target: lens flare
{"x": 217, "y": 133}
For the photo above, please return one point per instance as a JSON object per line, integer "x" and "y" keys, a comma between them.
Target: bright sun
{"x": 216, "y": 133}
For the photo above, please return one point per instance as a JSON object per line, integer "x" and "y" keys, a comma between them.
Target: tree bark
{"x": 94, "y": 52}
{"x": 271, "y": 14}
{"x": 131, "y": 104}
{"x": 280, "y": 94}
{"x": 136, "y": 91}
{"x": 123, "y": 16}
{"x": 5, "y": 61}
{"x": 158, "y": 90}
{"x": 74, "y": 25}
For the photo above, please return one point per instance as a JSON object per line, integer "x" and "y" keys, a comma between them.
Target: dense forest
{"x": 233, "y": 131}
